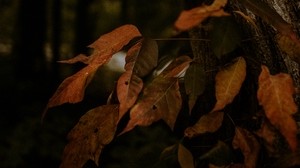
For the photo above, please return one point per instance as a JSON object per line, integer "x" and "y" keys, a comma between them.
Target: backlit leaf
{"x": 248, "y": 144}
{"x": 87, "y": 139}
{"x": 72, "y": 89}
{"x": 228, "y": 83}
{"x": 79, "y": 58}
{"x": 194, "y": 82}
{"x": 208, "y": 123}
{"x": 141, "y": 59}
{"x": 275, "y": 94}
{"x": 185, "y": 158}
{"x": 225, "y": 35}
{"x": 161, "y": 100}
{"x": 193, "y": 17}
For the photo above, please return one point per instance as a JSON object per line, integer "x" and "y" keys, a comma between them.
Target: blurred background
{"x": 34, "y": 35}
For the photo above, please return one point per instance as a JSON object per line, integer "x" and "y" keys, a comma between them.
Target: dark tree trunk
{"x": 29, "y": 47}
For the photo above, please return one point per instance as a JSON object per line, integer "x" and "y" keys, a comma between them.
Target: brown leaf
{"x": 210, "y": 122}
{"x": 291, "y": 46}
{"x": 176, "y": 67}
{"x": 79, "y": 58}
{"x": 275, "y": 94}
{"x": 94, "y": 130}
{"x": 161, "y": 100}
{"x": 185, "y": 157}
{"x": 71, "y": 90}
{"x": 249, "y": 146}
{"x": 193, "y": 17}
{"x": 140, "y": 61}
{"x": 268, "y": 134}
{"x": 229, "y": 82}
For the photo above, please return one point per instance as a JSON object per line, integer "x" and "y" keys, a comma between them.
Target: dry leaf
{"x": 210, "y": 122}
{"x": 229, "y": 82}
{"x": 94, "y": 130}
{"x": 72, "y": 89}
{"x": 275, "y": 94}
{"x": 79, "y": 58}
{"x": 290, "y": 46}
{"x": 193, "y": 17}
{"x": 249, "y": 146}
{"x": 268, "y": 134}
{"x": 161, "y": 100}
{"x": 141, "y": 59}
{"x": 185, "y": 158}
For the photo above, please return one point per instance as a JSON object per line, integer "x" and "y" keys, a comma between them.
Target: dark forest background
{"x": 34, "y": 35}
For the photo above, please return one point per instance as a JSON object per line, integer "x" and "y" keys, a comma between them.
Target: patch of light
{"x": 117, "y": 62}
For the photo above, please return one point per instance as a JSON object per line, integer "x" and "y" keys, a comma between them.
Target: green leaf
{"x": 225, "y": 35}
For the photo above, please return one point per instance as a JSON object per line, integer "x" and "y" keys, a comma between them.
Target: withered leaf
{"x": 193, "y": 17}
{"x": 208, "y": 123}
{"x": 248, "y": 144}
{"x": 161, "y": 100}
{"x": 141, "y": 59}
{"x": 185, "y": 157}
{"x": 228, "y": 83}
{"x": 72, "y": 88}
{"x": 194, "y": 82}
{"x": 94, "y": 130}
{"x": 275, "y": 94}
{"x": 79, "y": 58}
{"x": 290, "y": 46}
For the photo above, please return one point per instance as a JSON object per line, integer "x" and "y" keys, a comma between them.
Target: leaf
{"x": 87, "y": 139}
{"x": 176, "y": 67}
{"x": 290, "y": 46}
{"x": 268, "y": 134}
{"x": 185, "y": 158}
{"x": 194, "y": 82}
{"x": 225, "y": 35}
{"x": 229, "y": 82}
{"x": 161, "y": 100}
{"x": 141, "y": 59}
{"x": 219, "y": 155}
{"x": 193, "y": 17}
{"x": 248, "y": 144}
{"x": 208, "y": 123}
{"x": 182, "y": 154}
{"x": 268, "y": 14}
{"x": 275, "y": 94}
{"x": 71, "y": 90}
{"x": 79, "y": 58}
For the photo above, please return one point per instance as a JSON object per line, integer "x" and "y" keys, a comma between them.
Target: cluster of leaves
{"x": 149, "y": 98}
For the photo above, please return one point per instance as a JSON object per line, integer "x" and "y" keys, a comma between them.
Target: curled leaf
{"x": 229, "y": 82}
{"x": 275, "y": 94}
{"x": 94, "y": 130}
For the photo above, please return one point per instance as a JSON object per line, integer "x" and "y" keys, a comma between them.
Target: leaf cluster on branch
{"x": 149, "y": 97}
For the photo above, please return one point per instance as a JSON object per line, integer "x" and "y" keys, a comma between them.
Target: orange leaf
{"x": 79, "y": 58}
{"x": 229, "y": 82}
{"x": 140, "y": 61}
{"x": 210, "y": 122}
{"x": 248, "y": 144}
{"x": 94, "y": 130}
{"x": 275, "y": 94}
{"x": 268, "y": 134}
{"x": 72, "y": 89}
{"x": 193, "y": 17}
{"x": 161, "y": 100}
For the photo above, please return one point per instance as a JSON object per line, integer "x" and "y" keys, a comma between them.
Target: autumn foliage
{"x": 149, "y": 97}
